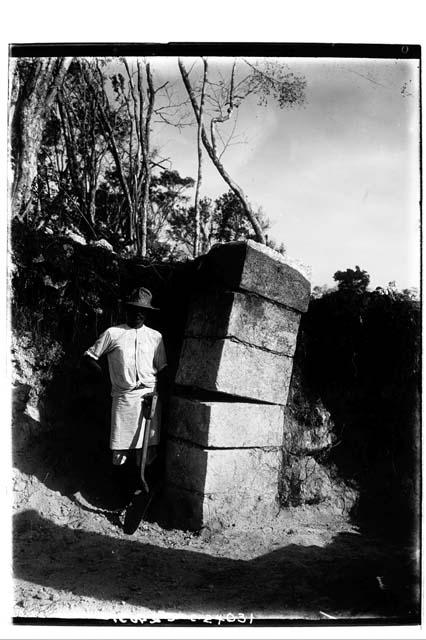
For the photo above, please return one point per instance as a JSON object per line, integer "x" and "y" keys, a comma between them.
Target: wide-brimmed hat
{"x": 140, "y": 297}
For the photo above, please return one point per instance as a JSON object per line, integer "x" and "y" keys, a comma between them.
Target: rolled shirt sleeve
{"x": 102, "y": 346}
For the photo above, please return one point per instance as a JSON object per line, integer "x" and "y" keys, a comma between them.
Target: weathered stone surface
{"x": 226, "y": 424}
{"x": 221, "y": 485}
{"x": 247, "y": 317}
{"x": 252, "y": 473}
{"x": 235, "y": 368}
{"x": 190, "y": 510}
{"x": 253, "y": 267}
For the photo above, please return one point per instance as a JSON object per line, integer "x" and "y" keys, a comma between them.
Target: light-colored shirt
{"x": 135, "y": 356}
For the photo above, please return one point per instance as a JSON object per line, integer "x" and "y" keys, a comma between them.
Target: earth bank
{"x": 71, "y": 555}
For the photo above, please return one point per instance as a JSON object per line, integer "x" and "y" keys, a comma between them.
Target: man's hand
{"x": 147, "y": 403}
{"x": 91, "y": 365}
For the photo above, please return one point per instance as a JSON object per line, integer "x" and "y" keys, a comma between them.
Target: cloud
{"x": 339, "y": 176}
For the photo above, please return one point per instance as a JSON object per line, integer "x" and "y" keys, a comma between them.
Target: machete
{"x": 141, "y": 501}
{"x": 146, "y": 436}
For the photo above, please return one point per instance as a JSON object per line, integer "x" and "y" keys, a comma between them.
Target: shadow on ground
{"x": 351, "y": 577}
{"x": 73, "y": 455}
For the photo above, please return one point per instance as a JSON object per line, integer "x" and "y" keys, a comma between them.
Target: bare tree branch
{"x": 196, "y": 246}
{"x": 226, "y": 144}
{"x": 110, "y": 139}
{"x": 218, "y": 164}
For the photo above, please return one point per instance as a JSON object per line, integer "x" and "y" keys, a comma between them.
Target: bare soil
{"x": 73, "y": 560}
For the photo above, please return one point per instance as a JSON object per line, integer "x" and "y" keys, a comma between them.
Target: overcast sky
{"x": 338, "y": 177}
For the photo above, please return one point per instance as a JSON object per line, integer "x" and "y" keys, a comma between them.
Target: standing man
{"x": 137, "y": 363}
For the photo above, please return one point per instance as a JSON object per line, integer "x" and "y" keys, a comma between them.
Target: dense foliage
{"x": 360, "y": 354}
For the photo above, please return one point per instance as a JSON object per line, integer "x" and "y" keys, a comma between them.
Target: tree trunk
{"x": 70, "y": 145}
{"x": 145, "y": 130}
{"x": 216, "y": 161}
{"x": 36, "y": 82}
{"x": 109, "y": 136}
{"x": 196, "y": 249}
{"x": 92, "y": 169}
{"x": 108, "y": 133}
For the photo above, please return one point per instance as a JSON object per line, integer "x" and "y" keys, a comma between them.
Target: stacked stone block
{"x": 224, "y": 453}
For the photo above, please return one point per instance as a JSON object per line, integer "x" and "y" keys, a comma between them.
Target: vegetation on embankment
{"x": 359, "y": 353}
{"x": 355, "y": 391}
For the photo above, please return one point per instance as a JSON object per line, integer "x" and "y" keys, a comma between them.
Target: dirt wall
{"x": 63, "y": 294}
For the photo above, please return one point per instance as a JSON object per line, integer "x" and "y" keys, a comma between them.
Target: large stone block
{"x": 225, "y": 485}
{"x": 226, "y": 424}
{"x": 235, "y": 368}
{"x": 251, "y": 266}
{"x": 247, "y": 317}
{"x": 190, "y": 510}
{"x": 249, "y": 472}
